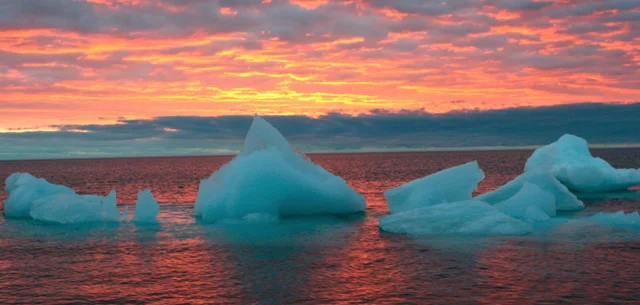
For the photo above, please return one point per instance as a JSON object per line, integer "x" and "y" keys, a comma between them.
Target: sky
{"x": 95, "y": 72}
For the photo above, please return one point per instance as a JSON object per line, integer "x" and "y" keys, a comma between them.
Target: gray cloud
{"x": 422, "y": 7}
{"x": 521, "y": 5}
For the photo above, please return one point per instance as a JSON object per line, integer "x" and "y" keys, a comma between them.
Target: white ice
{"x": 531, "y": 204}
{"x": 147, "y": 208}
{"x": 564, "y": 199}
{"x": 269, "y": 178}
{"x": 37, "y": 198}
{"x": 572, "y": 164}
{"x": 470, "y": 217}
{"x": 449, "y": 185}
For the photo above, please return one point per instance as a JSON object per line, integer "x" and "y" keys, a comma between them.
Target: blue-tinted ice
{"x": 268, "y": 179}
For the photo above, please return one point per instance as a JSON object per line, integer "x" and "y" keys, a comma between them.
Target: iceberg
{"x": 268, "y": 177}
{"x": 38, "y": 199}
{"x": 572, "y": 164}
{"x": 73, "y": 209}
{"x": 449, "y": 185}
{"x": 24, "y": 189}
{"x": 147, "y": 208}
{"x": 530, "y": 204}
{"x": 564, "y": 199}
{"x": 470, "y": 217}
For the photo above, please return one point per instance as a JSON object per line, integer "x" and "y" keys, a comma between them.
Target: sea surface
{"x": 312, "y": 260}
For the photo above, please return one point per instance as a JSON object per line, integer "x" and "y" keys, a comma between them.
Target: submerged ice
{"x": 38, "y": 199}
{"x": 269, "y": 178}
{"x": 471, "y": 217}
{"x": 570, "y": 161}
{"x": 147, "y": 208}
{"x": 617, "y": 219}
{"x": 450, "y": 185}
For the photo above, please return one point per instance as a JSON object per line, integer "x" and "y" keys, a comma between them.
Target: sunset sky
{"x": 68, "y": 64}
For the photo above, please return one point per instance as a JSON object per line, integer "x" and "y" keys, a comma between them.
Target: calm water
{"x": 320, "y": 260}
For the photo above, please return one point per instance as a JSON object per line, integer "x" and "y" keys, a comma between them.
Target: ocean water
{"x": 314, "y": 260}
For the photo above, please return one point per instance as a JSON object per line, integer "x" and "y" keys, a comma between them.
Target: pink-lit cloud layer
{"x": 94, "y": 61}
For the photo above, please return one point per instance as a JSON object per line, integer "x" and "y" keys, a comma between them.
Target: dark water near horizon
{"x": 318, "y": 260}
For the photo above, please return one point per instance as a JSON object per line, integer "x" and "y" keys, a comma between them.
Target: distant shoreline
{"x": 320, "y": 152}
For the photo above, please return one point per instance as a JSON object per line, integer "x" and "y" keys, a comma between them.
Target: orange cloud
{"x": 96, "y": 61}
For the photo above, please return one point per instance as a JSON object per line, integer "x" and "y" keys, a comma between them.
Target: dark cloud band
{"x": 378, "y": 130}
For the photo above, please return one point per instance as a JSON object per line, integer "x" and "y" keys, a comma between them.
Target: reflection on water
{"x": 316, "y": 260}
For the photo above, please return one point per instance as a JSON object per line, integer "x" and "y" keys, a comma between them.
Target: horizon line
{"x": 346, "y": 151}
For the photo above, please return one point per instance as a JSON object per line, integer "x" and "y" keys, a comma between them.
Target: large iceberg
{"x": 531, "y": 204}
{"x": 470, "y": 217}
{"x": 450, "y": 185}
{"x": 564, "y": 199}
{"x": 37, "y": 198}
{"x": 269, "y": 178}
{"x": 147, "y": 208}
{"x": 572, "y": 164}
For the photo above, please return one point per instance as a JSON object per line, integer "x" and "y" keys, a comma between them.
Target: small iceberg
{"x": 270, "y": 179}
{"x": 450, "y": 185}
{"x": 572, "y": 164}
{"x": 440, "y": 204}
{"x": 38, "y": 199}
{"x": 564, "y": 199}
{"x": 24, "y": 189}
{"x": 147, "y": 208}
{"x": 428, "y": 206}
{"x": 470, "y": 217}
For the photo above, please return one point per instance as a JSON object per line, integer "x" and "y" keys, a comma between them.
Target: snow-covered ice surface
{"x": 571, "y": 162}
{"x": 449, "y": 185}
{"x": 470, "y": 217}
{"x": 269, "y": 178}
{"x": 147, "y": 208}
{"x": 564, "y": 199}
{"x": 38, "y": 199}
